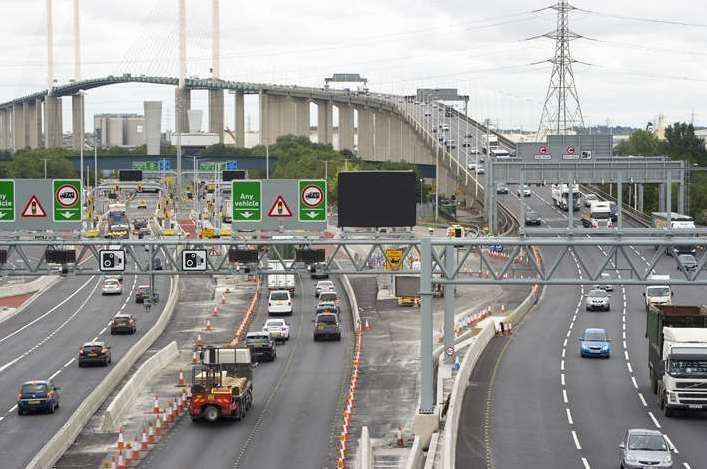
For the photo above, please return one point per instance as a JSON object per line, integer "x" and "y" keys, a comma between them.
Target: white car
{"x": 322, "y": 286}
{"x": 278, "y": 328}
{"x": 524, "y": 191}
{"x": 589, "y": 198}
{"x": 480, "y": 170}
{"x": 280, "y": 302}
{"x": 112, "y": 287}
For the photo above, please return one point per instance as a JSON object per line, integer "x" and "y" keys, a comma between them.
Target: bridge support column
{"x": 382, "y": 148}
{"x": 240, "y": 119}
{"x": 302, "y": 114}
{"x": 396, "y": 138}
{"x": 264, "y": 126}
{"x": 216, "y": 113}
{"x": 182, "y": 105}
{"x": 661, "y": 198}
{"x": 5, "y": 129}
{"x": 77, "y": 118}
{"x": 153, "y": 126}
{"x": 346, "y": 127}
{"x": 276, "y": 117}
{"x": 639, "y": 197}
{"x": 18, "y": 122}
{"x": 289, "y": 116}
{"x": 325, "y": 124}
{"x": 365, "y": 134}
{"x": 33, "y": 116}
{"x": 681, "y": 198}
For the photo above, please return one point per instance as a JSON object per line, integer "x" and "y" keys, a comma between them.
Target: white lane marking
{"x": 563, "y": 353}
{"x": 564, "y": 395}
{"x": 643, "y": 401}
{"x": 625, "y": 346}
{"x": 95, "y": 339}
{"x": 12, "y": 409}
{"x": 576, "y": 440}
{"x": 562, "y": 378}
{"x": 672, "y": 446}
{"x": 2, "y": 418}
{"x": 568, "y": 333}
{"x": 624, "y": 335}
{"x": 635, "y": 384}
{"x": 55, "y": 331}
{"x": 655, "y": 421}
{"x": 586, "y": 463}
{"x": 48, "y": 312}
{"x": 569, "y": 416}
{"x": 67, "y": 364}
{"x": 562, "y": 365}
{"x": 686, "y": 465}
{"x": 628, "y": 365}
{"x": 564, "y": 344}
{"x": 626, "y": 354}
{"x": 102, "y": 331}
{"x": 55, "y": 374}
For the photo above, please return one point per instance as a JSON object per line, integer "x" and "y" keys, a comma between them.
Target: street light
{"x": 45, "y": 167}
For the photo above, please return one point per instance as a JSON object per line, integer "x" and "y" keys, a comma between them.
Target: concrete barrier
{"x": 127, "y": 395}
{"x": 60, "y": 442}
{"x": 37, "y": 284}
{"x": 476, "y": 348}
{"x": 432, "y": 451}
{"x": 348, "y": 288}
{"x": 416, "y": 457}
{"x": 365, "y": 452}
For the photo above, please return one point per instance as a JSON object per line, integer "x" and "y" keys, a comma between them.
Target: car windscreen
{"x": 33, "y": 388}
{"x": 326, "y": 319}
{"x": 279, "y": 296}
{"x": 121, "y": 319}
{"x": 647, "y": 443}
{"x": 256, "y": 340}
{"x": 274, "y": 323}
{"x": 686, "y": 259}
{"x": 597, "y": 294}
{"x": 658, "y": 291}
{"x": 327, "y": 297}
{"x": 92, "y": 348}
{"x": 688, "y": 368}
{"x": 595, "y": 337}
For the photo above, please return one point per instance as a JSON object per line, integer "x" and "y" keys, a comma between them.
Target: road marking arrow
{"x": 247, "y": 214}
{"x": 67, "y": 215}
{"x": 312, "y": 214}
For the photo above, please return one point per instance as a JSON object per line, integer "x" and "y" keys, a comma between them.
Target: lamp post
{"x": 45, "y": 167}
{"x": 82, "y": 94}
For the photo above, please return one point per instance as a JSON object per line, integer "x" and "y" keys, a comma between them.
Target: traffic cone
{"x": 158, "y": 426}
{"x": 223, "y": 298}
{"x": 509, "y": 328}
{"x": 194, "y": 358}
{"x": 144, "y": 444}
{"x": 155, "y": 405}
{"x": 151, "y": 437}
{"x": 113, "y": 465}
{"x": 121, "y": 440}
{"x": 366, "y": 325}
{"x": 457, "y": 363}
{"x": 209, "y": 328}
{"x": 180, "y": 380}
{"x": 199, "y": 342}
{"x": 214, "y": 312}
{"x": 121, "y": 460}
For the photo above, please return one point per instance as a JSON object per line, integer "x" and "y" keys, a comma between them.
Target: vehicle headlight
{"x": 667, "y": 459}
{"x": 672, "y": 397}
{"x": 631, "y": 459}
{"x": 605, "y": 347}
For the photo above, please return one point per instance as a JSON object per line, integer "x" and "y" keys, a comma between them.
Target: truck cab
{"x": 685, "y": 370}
{"x": 658, "y": 294}
{"x": 598, "y": 215}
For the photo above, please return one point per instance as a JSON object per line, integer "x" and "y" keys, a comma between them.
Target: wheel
{"x": 669, "y": 412}
{"x": 112, "y": 332}
{"x": 20, "y": 411}
{"x": 80, "y": 364}
{"x": 654, "y": 382}
{"x": 210, "y": 413}
{"x": 338, "y": 337}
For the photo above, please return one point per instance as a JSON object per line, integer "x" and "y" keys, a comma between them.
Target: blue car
{"x": 38, "y": 396}
{"x": 594, "y": 343}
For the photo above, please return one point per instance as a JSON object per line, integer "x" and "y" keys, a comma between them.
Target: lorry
{"x": 598, "y": 215}
{"x": 488, "y": 143}
{"x": 222, "y": 384}
{"x": 677, "y": 356}
{"x": 281, "y": 281}
{"x": 659, "y": 293}
{"x": 561, "y": 193}
{"x": 677, "y": 221}
{"x": 407, "y": 290}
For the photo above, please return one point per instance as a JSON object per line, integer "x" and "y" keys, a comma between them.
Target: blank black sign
{"x": 377, "y": 198}
{"x": 232, "y": 174}
{"x": 130, "y": 175}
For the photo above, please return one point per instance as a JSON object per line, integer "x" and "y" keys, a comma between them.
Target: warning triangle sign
{"x": 280, "y": 208}
{"x": 33, "y": 208}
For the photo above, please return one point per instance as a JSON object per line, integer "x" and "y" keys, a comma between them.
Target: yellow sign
{"x": 393, "y": 258}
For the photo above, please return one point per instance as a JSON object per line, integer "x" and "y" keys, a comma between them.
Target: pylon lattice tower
{"x": 562, "y": 112}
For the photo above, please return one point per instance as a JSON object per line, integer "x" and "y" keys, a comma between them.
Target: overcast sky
{"x": 637, "y": 69}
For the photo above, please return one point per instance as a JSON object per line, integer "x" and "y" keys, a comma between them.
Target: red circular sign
{"x": 312, "y": 196}
{"x": 570, "y": 150}
{"x": 542, "y": 149}
{"x": 67, "y": 196}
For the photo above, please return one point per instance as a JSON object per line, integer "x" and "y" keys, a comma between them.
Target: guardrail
{"x": 60, "y": 442}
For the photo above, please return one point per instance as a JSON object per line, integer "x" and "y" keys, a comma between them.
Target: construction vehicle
{"x": 407, "y": 290}
{"x": 677, "y": 356}
{"x": 222, "y": 384}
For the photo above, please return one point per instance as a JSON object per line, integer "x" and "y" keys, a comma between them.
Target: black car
{"x": 139, "y": 223}
{"x": 261, "y": 345}
{"x": 156, "y": 263}
{"x": 501, "y": 189}
{"x": 317, "y": 271}
{"x": 326, "y": 326}
{"x": 141, "y": 293}
{"x": 94, "y": 353}
{"x": 532, "y": 218}
{"x": 36, "y": 396}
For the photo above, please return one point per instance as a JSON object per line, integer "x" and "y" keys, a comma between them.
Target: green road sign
{"x": 247, "y": 197}
{"x": 7, "y": 200}
{"x": 312, "y": 200}
{"x": 66, "y": 200}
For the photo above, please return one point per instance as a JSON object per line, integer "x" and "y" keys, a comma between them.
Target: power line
{"x": 643, "y": 19}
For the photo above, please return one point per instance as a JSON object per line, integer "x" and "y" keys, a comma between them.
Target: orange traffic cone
{"x": 134, "y": 454}
{"x": 199, "y": 342}
{"x": 194, "y": 358}
{"x": 158, "y": 426}
{"x": 144, "y": 444}
{"x": 209, "y": 328}
{"x": 214, "y": 312}
{"x": 155, "y": 405}
{"x": 180, "y": 380}
{"x": 151, "y": 438}
{"x": 121, "y": 440}
{"x": 121, "y": 460}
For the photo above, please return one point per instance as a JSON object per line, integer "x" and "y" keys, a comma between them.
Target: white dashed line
{"x": 562, "y": 365}
{"x": 67, "y": 364}
{"x": 55, "y": 374}
{"x": 628, "y": 365}
{"x": 569, "y": 416}
{"x": 625, "y": 346}
{"x": 102, "y": 331}
{"x": 686, "y": 465}
{"x": 586, "y": 463}
{"x": 2, "y": 418}
{"x": 655, "y": 421}
{"x": 12, "y": 409}
{"x": 564, "y": 396}
{"x": 564, "y": 344}
{"x": 643, "y": 401}
{"x": 563, "y": 353}
{"x": 635, "y": 384}
{"x": 576, "y": 440}
{"x": 562, "y": 378}
{"x": 674, "y": 448}
{"x": 626, "y": 354}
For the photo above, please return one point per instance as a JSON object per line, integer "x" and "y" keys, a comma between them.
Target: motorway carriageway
{"x": 298, "y": 401}
{"x": 549, "y": 408}
{"x": 43, "y": 340}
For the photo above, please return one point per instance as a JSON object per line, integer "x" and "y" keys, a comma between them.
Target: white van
{"x": 280, "y": 302}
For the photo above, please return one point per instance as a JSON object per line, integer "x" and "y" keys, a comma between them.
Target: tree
{"x": 641, "y": 143}
{"x": 30, "y": 164}
{"x": 683, "y": 144}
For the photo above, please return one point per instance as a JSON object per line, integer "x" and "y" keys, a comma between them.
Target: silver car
{"x": 597, "y": 299}
{"x": 642, "y": 448}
